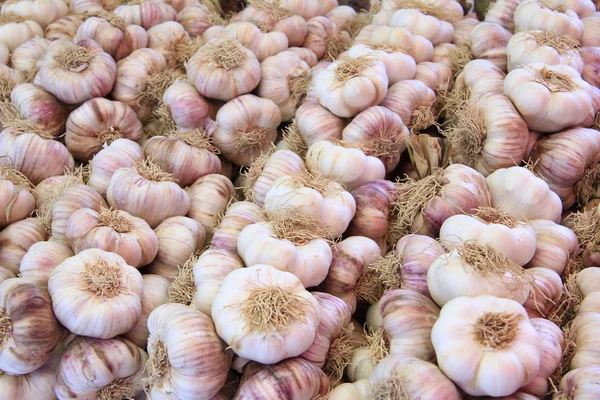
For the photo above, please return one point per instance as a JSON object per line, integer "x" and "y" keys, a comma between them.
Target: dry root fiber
{"x": 5, "y": 327}
{"x": 496, "y": 330}
{"x": 424, "y": 6}
{"x": 491, "y": 215}
{"x": 10, "y": 17}
{"x": 565, "y": 310}
{"x": 183, "y": 288}
{"x": 339, "y": 355}
{"x": 378, "y": 344}
{"x": 252, "y": 174}
{"x": 318, "y": 182}
{"x": 272, "y": 7}
{"x": 102, "y": 279}
{"x": 251, "y": 138}
{"x": 568, "y": 351}
{"x": 588, "y": 186}
{"x": 118, "y": 389}
{"x": 298, "y": 83}
{"x": 111, "y": 18}
{"x": 427, "y": 153}
{"x": 386, "y": 145}
{"x": 111, "y": 218}
{"x": 157, "y": 366}
{"x": 422, "y": 118}
{"x": 466, "y": 128}
{"x": 294, "y": 139}
{"x": 110, "y": 135}
{"x": 459, "y": 57}
{"x": 264, "y": 27}
{"x": 384, "y": 274}
{"x": 297, "y": 228}
{"x": 184, "y": 50}
{"x": 561, "y": 43}
{"x": 586, "y": 226}
{"x": 335, "y": 45}
{"x": 73, "y": 58}
{"x": 226, "y": 53}
{"x": 350, "y": 67}
{"x": 152, "y": 172}
{"x": 155, "y": 86}
{"x": 554, "y": 81}
{"x": 11, "y": 118}
{"x": 390, "y": 388}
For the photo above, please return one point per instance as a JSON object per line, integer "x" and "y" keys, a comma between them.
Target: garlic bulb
{"x": 29, "y": 329}
{"x": 76, "y": 72}
{"x": 531, "y": 15}
{"x": 397, "y": 39}
{"x": 98, "y": 122}
{"x": 95, "y": 293}
{"x": 237, "y": 216}
{"x": 187, "y": 358}
{"x": 155, "y": 294}
{"x": 114, "y": 231}
{"x": 219, "y": 190}
{"x": 521, "y": 194}
{"x": 399, "y": 66}
{"x": 296, "y": 376}
{"x": 178, "y": 239}
{"x": 142, "y": 79}
{"x": 477, "y": 269}
{"x": 26, "y": 56}
{"x": 224, "y": 69}
{"x": 186, "y": 108}
{"x": 16, "y": 30}
{"x": 514, "y": 239}
{"x": 5, "y": 274}
{"x": 590, "y": 25}
{"x": 546, "y": 291}
{"x": 437, "y": 76}
{"x": 15, "y": 196}
{"x": 121, "y": 153}
{"x": 421, "y": 23}
{"x": 554, "y": 158}
{"x": 479, "y": 78}
{"x": 423, "y": 206}
{"x": 326, "y": 39}
{"x": 338, "y": 86}
{"x": 156, "y": 200}
{"x": 115, "y": 366}
{"x": 346, "y": 163}
{"x": 40, "y": 108}
{"x": 263, "y": 41}
{"x": 4, "y": 54}
{"x": 285, "y": 80}
{"x": 546, "y": 47}
{"x": 64, "y": 28}
{"x": 287, "y": 328}
{"x": 196, "y": 19}
{"x": 41, "y": 258}
{"x": 37, "y": 385}
{"x": 489, "y": 42}
{"x": 591, "y": 59}
{"x": 288, "y": 244}
{"x": 43, "y": 12}
{"x": 113, "y": 34}
{"x": 501, "y": 350}
{"x": 16, "y": 239}
{"x": 580, "y": 382}
{"x": 173, "y": 42}
{"x": 146, "y": 13}
{"x": 586, "y": 348}
{"x": 463, "y": 27}
{"x": 314, "y": 197}
{"x": 555, "y": 87}
{"x": 555, "y": 245}
{"x": 414, "y": 102}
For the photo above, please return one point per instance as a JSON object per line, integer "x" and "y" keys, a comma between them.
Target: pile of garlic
{"x": 299, "y": 200}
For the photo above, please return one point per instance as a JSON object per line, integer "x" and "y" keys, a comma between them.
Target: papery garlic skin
{"x": 188, "y": 108}
{"x": 582, "y": 328}
{"x": 436, "y": 76}
{"x": 488, "y": 42}
{"x": 435, "y": 30}
{"x": 399, "y": 66}
{"x": 195, "y": 19}
{"x": 219, "y": 190}
{"x": 41, "y": 11}
{"x": 262, "y": 41}
{"x": 30, "y": 330}
{"x": 112, "y": 361}
{"x": 40, "y": 107}
{"x": 16, "y": 239}
{"x": 265, "y": 344}
{"x": 530, "y": 15}
{"x": 398, "y": 39}
{"x": 14, "y": 34}
{"x": 546, "y": 291}
{"x": 581, "y": 383}
{"x": 26, "y": 56}
{"x": 122, "y": 153}
{"x": 259, "y": 244}
{"x": 517, "y": 191}
{"x": 524, "y": 48}
{"x": 463, "y": 28}
{"x": 15, "y": 197}
{"x": 64, "y": 28}
{"x": 187, "y": 358}
{"x": 555, "y": 245}
{"x": 502, "y": 367}
{"x": 146, "y": 14}
{"x": 41, "y": 258}
{"x": 87, "y": 308}
{"x": 38, "y": 385}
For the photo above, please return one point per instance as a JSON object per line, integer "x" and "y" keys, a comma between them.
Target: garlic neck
{"x": 102, "y": 279}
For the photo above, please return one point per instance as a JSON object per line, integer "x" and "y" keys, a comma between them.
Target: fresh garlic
{"x": 546, "y": 47}
{"x": 397, "y": 39}
{"x": 38, "y": 385}
{"x": 436, "y": 76}
{"x": 95, "y": 293}
{"x": 146, "y": 13}
{"x": 590, "y": 25}
{"x": 173, "y": 42}
{"x": 224, "y": 69}
{"x": 414, "y": 102}
{"x": 552, "y": 18}
{"x": 263, "y": 41}
{"x": 219, "y": 190}
{"x": 4, "y": 54}
{"x": 546, "y": 291}
{"x": 307, "y": 55}
{"x": 501, "y": 349}
{"x": 185, "y": 107}
{"x": 116, "y": 367}
{"x": 586, "y": 347}
{"x": 423, "y": 24}
{"x": 187, "y": 358}
{"x": 196, "y": 19}
{"x": 463, "y": 28}
{"x": 342, "y": 16}
{"x": 286, "y": 329}
{"x": 489, "y": 42}
{"x": 41, "y": 258}
{"x": 591, "y": 59}
{"x": 154, "y": 201}
{"x": 179, "y": 5}
{"x": 64, "y": 28}
{"x": 121, "y": 153}
{"x": 16, "y": 30}
{"x": 76, "y": 72}
{"x": 29, "y": 329}
{"x": 16, "y": 239}
{"x": 155, "y": 294}
{"x": 43, "y": 12}
{"x": 15, "y": 196}
{"x": 236, "y": 217}
{"x": 26, "y": 56}
{"x": 97, "y": 123}
{"x": 580, "y": 383}
{"x": 113, "y": 34}
{"x": 555, "y": 245}
{"x": 326, "y": 39}
{"x": 40, "y": 108}
{"x": 399, "y": 66}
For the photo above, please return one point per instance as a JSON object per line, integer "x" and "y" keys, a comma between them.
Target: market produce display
{"x": 299, "y": 200}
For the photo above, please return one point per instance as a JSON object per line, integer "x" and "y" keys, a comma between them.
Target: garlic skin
{"x": 30, "y": 330}
{"x": 581, "y": 383}
{"x": 398, "y": 39}
{"x": 555, "y": 244}
{"x": 187, "y": 358}
{"x": 146, "y": 14}
{"x": 436, "y": 76}
{"x": 43, "y": 12}
{"x": 237, "y": 216}
{"x": 535, "y": 81}
{"x": 309, "y": 261}
{"x": 37, "y": 385}
{"x": 114, "y": 231}
{"x": 156, "y": 290}
{"x": 76, "y": 72}
{"x": 582, "y": 328}
{"x": 209, "y": 272}
{"x": 482, "y": 77}
{"x": 463, "y": 28}
{"x": 39, "y": 107}
{"x": 515, "y": 239}
{"x": 85, "y": 304}
{"x": 327, "y": 201}
{"x": 435, "y": 30}
{"x": 16, "y": 30}
{"x": 399, "y": 66}
{"x": 547, "y": 18}
{"x": 416, "y": 254}
{"x": 188, "y": 109}
{"x": 16, "y": 239}
{"x": 325, "y": 38}
{"x": 349, "y": 166}
{"x": 16, "y": 196}
{"x": 338, "y": 90}
{"x": 277, "y": 19}
{"x": 4, "y": 54}
{"x": 517, "y": 191}
{"x": 591, "y": 59}
{"x": 64, "y": 28}
{"x": 411, "y": 99}
{"x": 26, "y": 56}
{"x": 496, "y": 336}
{"x": 167, "y": 38}
{"x": 590, "y": 24}
{"x": 99, "y": 122}
{"x": 314, "y": 122}
{"x": 489, "y": 42}
{"x": 122, "y": 153}
{"x": 154, "y": 201}
{"x": 271, "y": 340}
{"x": 195, "y": 18}
{"x": 41, "y": 258}
{"x": 284, "y": 80}
{"x": 261, "y": 40}
{"x": 294, "y": 375}
{"x": 115, "y": 365}
{"x": 546, "y": 290}
{"x": 538, "y": 46}
{"x": 218, "y": 77}
{"x": 5, "y": 274}
{"x": 219, "y": 190}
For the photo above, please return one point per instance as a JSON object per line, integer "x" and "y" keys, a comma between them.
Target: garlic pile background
{"x": 297, "y": 200}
